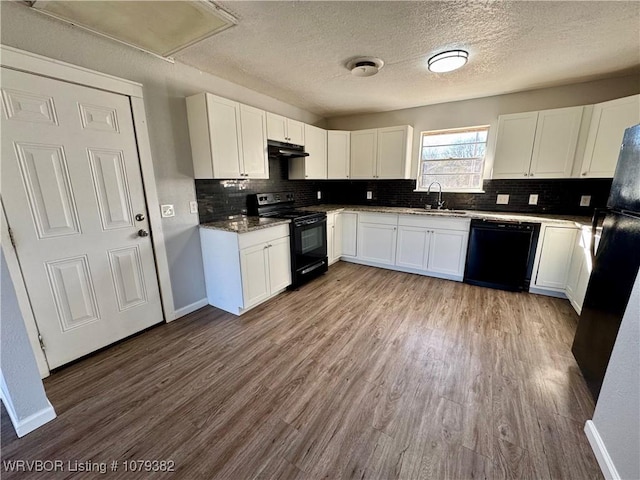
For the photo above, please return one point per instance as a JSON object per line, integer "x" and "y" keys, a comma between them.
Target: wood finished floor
{"x": 364, "y": 373}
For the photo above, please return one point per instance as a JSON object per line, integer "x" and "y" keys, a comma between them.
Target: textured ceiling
{"x": 296, "y": 51}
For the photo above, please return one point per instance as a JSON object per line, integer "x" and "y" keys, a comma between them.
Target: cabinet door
{"x": 255, "y": 274}
{"x": 413, "y": 247}
{"x": 555, "y": 257}
{"x": 447, "y": 252}
{"x": 377, "y": 243}
{"x": 392, "y": 153}
{"x": 224, "y": 133}
{"x": 364, "y": 148}
{"x": 331, "y": 232}
{"x": 279, "y": 253}
{"x": 337, "y": 236}
{"x": 514, "y": 145}
{"x": 608, "y": 123}
{"x": 253, "y": 126}
{"x": 338, "y": 154}
{"x": 579, "y": 270}
{"x": 316, "y": 147}
{"x": 573, "y": 276}
{"x": 295, "y": 132}
{"x": 555, "y": 142}
{"x": 276, "y": 127}
{"x": 349, "y": 234}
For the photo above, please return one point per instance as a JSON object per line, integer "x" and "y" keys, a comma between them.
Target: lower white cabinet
{"x": 553, "y": 258}
{"x": 349, "y": 227}
{"x": 579, "y": 270}
{"x": 413, "y": 243}
{"x": 334, "y": 236}
{"x": 243, "y": 270}
{"x": 377, "y": 238}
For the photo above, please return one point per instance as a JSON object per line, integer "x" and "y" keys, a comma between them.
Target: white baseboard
{"x": 548, "y": 293}
{"x": 192, "y": 307}
{"x": 29, "y": 424}
{"x": 600, "y": 450}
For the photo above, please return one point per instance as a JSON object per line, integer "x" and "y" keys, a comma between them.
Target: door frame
{"x": 35, "y": 64}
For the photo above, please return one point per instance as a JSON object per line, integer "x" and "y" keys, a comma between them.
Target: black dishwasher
{"x": 501, "y": 254}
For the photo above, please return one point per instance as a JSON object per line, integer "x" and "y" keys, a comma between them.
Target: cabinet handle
{"x": 306, "y": 176}
{"x": 270, "y": 245}
{"x": 584, "y": 174}
{"x": 526, "y": 174}
{"x": 531, "y": 174}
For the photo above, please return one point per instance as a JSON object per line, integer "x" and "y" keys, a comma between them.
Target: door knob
{"x": 139, "y": 217}
{"x": 143, "y": 233}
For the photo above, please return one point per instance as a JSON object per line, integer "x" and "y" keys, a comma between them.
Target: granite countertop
{"x": 574, "y": 220}
{"x": 245, "y": 224}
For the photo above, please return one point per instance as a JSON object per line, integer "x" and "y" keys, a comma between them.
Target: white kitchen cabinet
{"x": 381, "y": 153}
{"x": 364, "y": 151}
{"x": 413, "y": 247}
{"x": 314, "y": 166}
{"x": 334, "y": 236}
{"x": 608, "y": 123}
{"x": 553, "y": 258}
{"x": 537, "y": 144}
{"x": 377, "y": 234}
{"x": 283, "y": 129}
{"x": 579, "y": 270}
{"x": 228, "y": 139}
{"x": 349, "y": 234}
{"x": 244, "y": 270}
{"x": 434, "y": 246}
{"x": 338, "y": 154}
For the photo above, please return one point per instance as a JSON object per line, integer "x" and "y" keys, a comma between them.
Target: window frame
{"x": 445, "y": 131}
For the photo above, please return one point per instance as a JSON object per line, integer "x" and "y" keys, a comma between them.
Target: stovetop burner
{"x": 279, "y": 205}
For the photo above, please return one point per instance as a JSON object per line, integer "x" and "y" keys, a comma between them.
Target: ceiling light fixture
{"x": 365, "y": 66}
{"x": 448, "y": 61}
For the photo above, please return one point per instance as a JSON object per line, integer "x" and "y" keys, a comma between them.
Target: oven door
{"x": 308, "y": 250}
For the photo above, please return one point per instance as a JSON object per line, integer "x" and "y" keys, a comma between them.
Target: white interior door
{"x": 72, "y": 190}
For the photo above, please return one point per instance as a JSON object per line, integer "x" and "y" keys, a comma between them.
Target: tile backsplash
{"x": 219, "y": 199}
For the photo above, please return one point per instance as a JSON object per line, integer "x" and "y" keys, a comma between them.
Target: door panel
{"x": 279, "y": 264}
{"x": 377, "y": 243}
{"x": 412, "y": 247}
{"x": 447, "y": 252}
{"x": 254, "y": 142}
{"x": 71, "y": 187}
{"x": 255, "y": 274}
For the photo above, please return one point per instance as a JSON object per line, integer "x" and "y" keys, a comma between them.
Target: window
{"x": 454, "y": 158}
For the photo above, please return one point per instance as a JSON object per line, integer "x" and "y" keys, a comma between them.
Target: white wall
{"x": 485, "y": 111}
{"x": 617, "y": 415}
{"x": 165, "y": 86}
{"x": 22, "y": 389}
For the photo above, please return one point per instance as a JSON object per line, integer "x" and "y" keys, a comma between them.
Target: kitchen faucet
{"x": 440, "y": 201}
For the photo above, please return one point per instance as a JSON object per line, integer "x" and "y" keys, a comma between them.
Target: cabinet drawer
{"x": 262, "y": 236}
{"x": 379, "y": 218}
{"x": 446, "y": 223}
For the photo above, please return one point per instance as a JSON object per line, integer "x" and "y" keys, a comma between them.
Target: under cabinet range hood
{"x": 285, "y": 150}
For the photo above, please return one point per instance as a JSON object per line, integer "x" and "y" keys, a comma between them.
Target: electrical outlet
{"x": 167, "y": 211}
{"x": 319, "y": 194}
{"x": 533, "y": 199}
{"x": 585, "y": 200}
{"x": 369, "y": 195}
{"x": 502, "y": 199}
{"x": 193, "y": 207}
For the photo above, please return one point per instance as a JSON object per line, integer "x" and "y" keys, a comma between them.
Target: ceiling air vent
{"x": 161, "y": 28}
{"x": 365, "y": 66}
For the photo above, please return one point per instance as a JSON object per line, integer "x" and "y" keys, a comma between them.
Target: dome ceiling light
{"x": 448, "y": 61}
{"x": 365, "y": 66}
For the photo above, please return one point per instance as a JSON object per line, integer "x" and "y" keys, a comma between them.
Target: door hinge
{"x": 41, "y": 342}
{"x": 12, "y": 238}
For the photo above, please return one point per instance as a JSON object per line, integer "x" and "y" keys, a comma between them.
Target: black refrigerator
{"x": 615, "y": 267}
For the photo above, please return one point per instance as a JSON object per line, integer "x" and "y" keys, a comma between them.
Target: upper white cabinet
{"x": 228, "y": 139}
{"x": 284, "y": 129}
{"x": 537, "y": 144}
{"x": 381, "y": 153}
{"x": 314, "y": 166}
{"x": 338, "y": 154}
{"x": 608, "y": 123}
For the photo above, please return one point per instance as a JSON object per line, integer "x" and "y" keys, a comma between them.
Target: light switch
{"x": 193, "y": 206}
{"x": 369, "y": 195}
{"x": 585, "y": 200}
{"x": 502, "y": 199}
{"x": 533, "y": 199}
{"x": 167, "y": 211}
